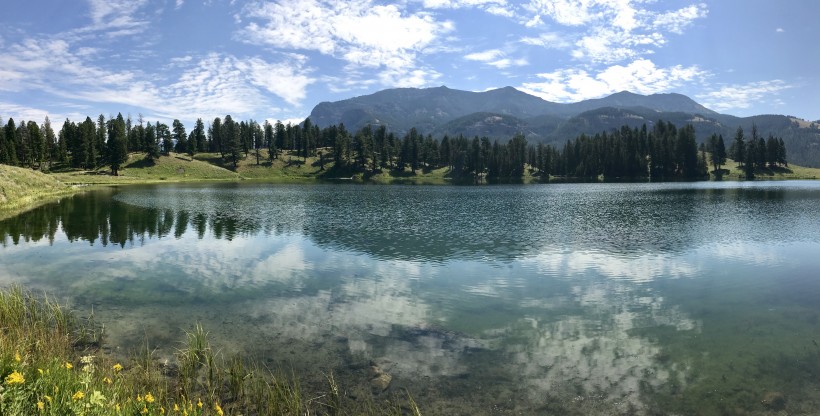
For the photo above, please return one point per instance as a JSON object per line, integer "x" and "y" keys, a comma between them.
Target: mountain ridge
{"x": 503, "y": 112}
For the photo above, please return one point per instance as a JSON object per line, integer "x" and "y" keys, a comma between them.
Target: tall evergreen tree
{"x": 10, "y": 145}
{"x": 88, "y": 133}
{"x": 50, "y": 142}
{"x": 738, "y": 148}
{"x": 151, "y": 142}
{"x": 270, "y": 140}
{"x": 117, "y": 144}
{"x": 199, "y": 135}
{"x": 233, "y": 141}
{"x": 216, "y": 137}
{"x": 102, "y": 138}
{"x": 23, "y": 145}
{"x": 165, "y": 138}
{"x": 38, "y": 145}
{"x": 179, "y": 136}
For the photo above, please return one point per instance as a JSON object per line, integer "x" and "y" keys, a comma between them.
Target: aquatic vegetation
{"x": 46, "y": 368}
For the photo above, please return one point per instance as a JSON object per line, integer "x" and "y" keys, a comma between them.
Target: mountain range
{"x": 504, "y": 112}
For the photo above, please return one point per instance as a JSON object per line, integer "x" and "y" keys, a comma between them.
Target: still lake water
{"x": 686, "y": 298}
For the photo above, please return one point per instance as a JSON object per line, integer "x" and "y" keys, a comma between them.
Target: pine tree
{"x": 199, "y": 135}
{"x": 233, "y": 141}
{"x": 117, "y": 144}
{"x": 11, "y": 143}
{"x": 151, "y": 142}
{"x": 179, "y": 137}
{"x": 102, "y": 138}
{"x": 38, "y": 145}
{"x": 216, "y": 137}
{"x": 738, "y": 148}
{"x": 50, "y": 142}
{"x": 270, "y": 140}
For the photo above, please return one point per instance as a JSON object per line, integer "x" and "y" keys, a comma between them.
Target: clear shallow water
{"x": 593, "y": 298}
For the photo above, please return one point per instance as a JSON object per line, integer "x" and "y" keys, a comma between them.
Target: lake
{"x": 682, "y": 298}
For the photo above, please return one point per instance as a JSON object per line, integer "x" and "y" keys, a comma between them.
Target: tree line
{"x": 660, "y": 151}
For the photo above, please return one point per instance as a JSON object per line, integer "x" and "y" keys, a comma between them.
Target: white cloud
{"x": 22, "y": 112}
{"x": 286, "y": 79}
{"x": 547, "y": 40}
{"x": 119, "y": 15}
{"x": 179, "y": 3}
{"x": 496, "y": 58}
{"x": 496, "y": 7}
{"x": 209, "y": 86}
{"x": 408, "y": 77}
{"x": 609, "y": 31}
{"x": 362, "y": 33}
{"x": 740, "y": 96}
{"x": 485, "y": 56}
{"x": 780, "y": 30}
{"x": 677, "y": 20}
{"x": 640, "y": 76}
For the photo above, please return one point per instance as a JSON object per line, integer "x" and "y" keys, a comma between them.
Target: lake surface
{"x": 686, "y": 298}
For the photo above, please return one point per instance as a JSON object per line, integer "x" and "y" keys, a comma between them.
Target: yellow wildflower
{"x": 117, "y": 407}
{"x": 68, "y": 365}
{"x": 78, "y": 395}
{"x": 199, "y": 403}
{"x": 144, "y": 410}
{"x": 139, "y": 398}
{"x": 107, "y": 380}
{"x": 17, "y": 357}
{"x": 162, "y": 410}
{"x": 117, "y": 367}
{"x": 48, "y": 398}
{"x": 15, "y": 378}
{"x": 218, "y": 409}
{"x": 41, "y": 406}
{"x": 176, "y": 407}
{"x": 40, "y": 370}
{"x": 149, "y": 397}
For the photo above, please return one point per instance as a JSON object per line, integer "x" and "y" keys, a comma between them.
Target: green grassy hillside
{"x": 140, "y": 169}
{"x": 20, "y": 187}
{"x": 730, "y": 171}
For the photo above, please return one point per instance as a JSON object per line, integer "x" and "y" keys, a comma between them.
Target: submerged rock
{"x": 774, "y": 400}
{"x": 381, "y": 382}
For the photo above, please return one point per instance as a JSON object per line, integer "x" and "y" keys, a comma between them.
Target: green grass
{"x": 140, "y": 169}
{"x": 731, "y": 171}
{"x": 52, "y": 363}
{"x": 22, "y": 187}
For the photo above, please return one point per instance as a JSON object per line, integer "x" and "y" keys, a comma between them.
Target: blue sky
{"x": 186, "y": 59}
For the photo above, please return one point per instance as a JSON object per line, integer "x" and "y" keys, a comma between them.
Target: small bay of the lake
{"x": 666, "y": 298}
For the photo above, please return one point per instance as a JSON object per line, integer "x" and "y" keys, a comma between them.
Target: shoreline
{"x": 33, "y": 188}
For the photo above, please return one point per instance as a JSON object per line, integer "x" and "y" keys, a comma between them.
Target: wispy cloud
{"x": 361, "y": 33}
{"x": 640, "y": 76}
{"x": 496, "y": 58}
{"x": 119, "y": 16}
{"x": 742, "y": 96}
{"x": 208, "y": 86}
{"x": 676, "y": 21}
{"x": 22, "y": 112}
{"x": 609, "y": 31}
{"x": 496, "y": 7}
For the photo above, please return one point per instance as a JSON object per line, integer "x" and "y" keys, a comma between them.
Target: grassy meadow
{"x": 21, "y": 188}
{"x": 731, "y": 172}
